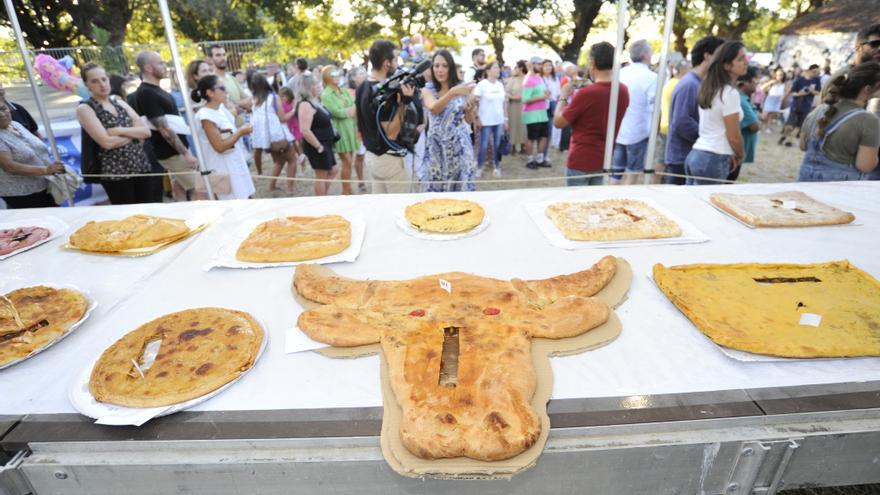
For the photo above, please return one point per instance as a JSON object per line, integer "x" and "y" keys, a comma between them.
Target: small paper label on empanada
{"x": 810, "y": 320}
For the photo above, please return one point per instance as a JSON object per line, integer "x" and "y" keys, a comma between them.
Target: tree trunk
{"x": 498, "y": 45}
{"x": 679, "y": 28}
{"x": 585, "y": 13}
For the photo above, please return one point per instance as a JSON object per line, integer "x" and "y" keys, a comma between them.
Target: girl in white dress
{"x": 221, "y": 141}
{"x": 268, "y": 129}
{"x": 775, "y": 89}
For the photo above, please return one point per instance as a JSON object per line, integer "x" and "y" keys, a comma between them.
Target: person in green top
{"x": 341, "y": 106}
{"x": 535, "y": 104}
{"x": 749, "y": 125}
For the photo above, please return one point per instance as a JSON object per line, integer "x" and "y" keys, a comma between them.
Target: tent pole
{"x": 661, "y": 80}
{"x": 29, "y": 68}
{"x": 178, "y": 73}
{"x": 622, "y": 9}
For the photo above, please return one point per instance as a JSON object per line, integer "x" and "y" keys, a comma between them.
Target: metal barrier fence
{"x": 121, "y": 59}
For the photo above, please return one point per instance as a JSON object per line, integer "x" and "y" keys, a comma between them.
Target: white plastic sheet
{"x": 659, "y": 350}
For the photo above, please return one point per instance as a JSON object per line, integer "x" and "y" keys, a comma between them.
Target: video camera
{"x": 411, "y": 75}
{"x": 385, "y": 93}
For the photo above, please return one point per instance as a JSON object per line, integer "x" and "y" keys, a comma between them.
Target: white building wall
{"x": 834, "y": 49}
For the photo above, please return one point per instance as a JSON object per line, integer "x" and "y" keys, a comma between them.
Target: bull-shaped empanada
{"x": 458, "y": 347}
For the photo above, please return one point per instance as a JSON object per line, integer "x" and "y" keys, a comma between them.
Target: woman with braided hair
{"x": 840, "y": 137}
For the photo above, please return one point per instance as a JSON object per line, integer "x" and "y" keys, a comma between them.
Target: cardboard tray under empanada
{"x": 405, "y": 463}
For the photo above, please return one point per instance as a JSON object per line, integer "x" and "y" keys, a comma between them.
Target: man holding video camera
{"x": 385, "y": 147}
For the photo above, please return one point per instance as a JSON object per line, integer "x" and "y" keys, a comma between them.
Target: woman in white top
{"x": 221, "y": 141}
{"x": 551, "y": 82}
{"x": 270, "y": 134}
{"x": 719, "y": 149}
{"x": 775, "y": 89}
{"x": 492, "y": 100}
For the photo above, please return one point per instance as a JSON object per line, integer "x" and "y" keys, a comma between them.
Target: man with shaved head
{"x": 157, "y": 104}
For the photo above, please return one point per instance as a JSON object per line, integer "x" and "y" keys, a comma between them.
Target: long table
{"x": 661, "y": 397}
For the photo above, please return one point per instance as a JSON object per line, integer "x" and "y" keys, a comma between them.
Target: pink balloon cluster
{"x": 58, "y": 74}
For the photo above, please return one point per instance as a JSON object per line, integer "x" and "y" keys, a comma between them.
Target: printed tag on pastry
{"x": 810, "y": 320}
{"x": 445, "y": 285}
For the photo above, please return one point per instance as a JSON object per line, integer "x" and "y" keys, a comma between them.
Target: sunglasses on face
{"x": 875, "y": 44}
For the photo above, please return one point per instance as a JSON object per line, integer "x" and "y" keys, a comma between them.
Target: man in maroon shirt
{"x": 587, "y": 113}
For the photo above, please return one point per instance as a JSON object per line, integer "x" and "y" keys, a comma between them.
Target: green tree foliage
{"x": 762, "y": 33}
{"x": 725, "y": 18}
{"x": 496, "y": 17}
{"x": 316, "y": 32}
{"x": 60, "y": 23}
{"x": 563, "y": 26}
{"x": 206, "y": 20}
{"x": 801, "y": 7}
{"x": 44, "y": 23}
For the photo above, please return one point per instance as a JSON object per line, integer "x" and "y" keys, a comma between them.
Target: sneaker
{"x": 531, "y": 165}
{"x": 781, "y": 140}
{"x": 788, "y": 144}
{"x": 479, "y": 172}
{"x": 362, "y": 188}
{"x": 496, "y": 172}
{"x": 545, "y": 164}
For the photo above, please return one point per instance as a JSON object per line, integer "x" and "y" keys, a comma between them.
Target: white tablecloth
{"x": 659, "y": 350}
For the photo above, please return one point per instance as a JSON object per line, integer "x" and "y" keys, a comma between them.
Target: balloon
{"x": 57, "y": 74}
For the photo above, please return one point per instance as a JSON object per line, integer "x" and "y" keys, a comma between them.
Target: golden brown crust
{"x": 202, "y": 349}
{"x": 585, "y": 283}
{"x": 610, "y": 220}
{"x": 445, "y": 216}
{"x": 296, "y": 239}
{"x": 487, "y": 414}
{"x": 60, "y": 308}
{"x": 134, "y": 232}
{"x": 782, "y": 209}
{"x": 757, "y": 308}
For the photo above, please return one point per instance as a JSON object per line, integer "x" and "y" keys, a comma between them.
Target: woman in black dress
{"x": 317, "y": 130}
{"x": 118, "y": 131}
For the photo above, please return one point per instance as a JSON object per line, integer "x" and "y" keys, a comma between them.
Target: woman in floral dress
{"x": 449, "y": 155}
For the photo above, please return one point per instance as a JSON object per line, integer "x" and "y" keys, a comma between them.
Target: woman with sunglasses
{"x": 340, "y": 104}
{"x": 221, "y": 141}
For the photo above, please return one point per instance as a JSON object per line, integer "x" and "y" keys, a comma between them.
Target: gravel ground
{"x": 773, "y": 163}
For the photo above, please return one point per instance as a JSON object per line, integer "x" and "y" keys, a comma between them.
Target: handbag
{"x": 90, "y": 161}
{"x": 281, "y": 145}
{"x": 505, "y": 147}
{"x": 62, "y": 187}
{"x": 220, "y": 183}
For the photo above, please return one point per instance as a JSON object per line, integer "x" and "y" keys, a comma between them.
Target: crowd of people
{"x": 443, "y": 127}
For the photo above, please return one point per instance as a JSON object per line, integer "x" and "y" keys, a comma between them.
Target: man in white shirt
{"x": 478, "y": 59}
{"x": 632, "y": 139}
